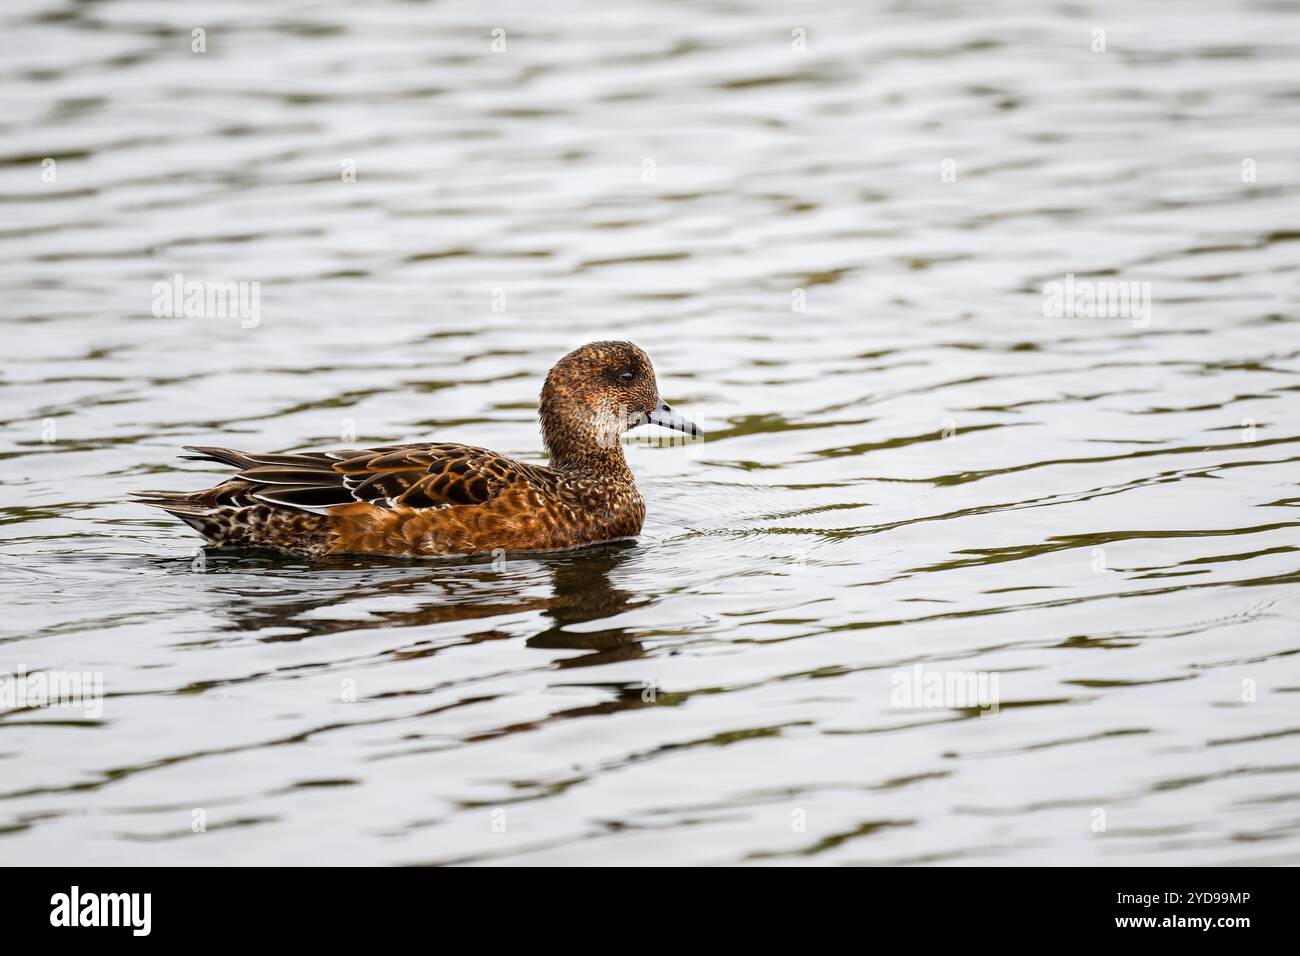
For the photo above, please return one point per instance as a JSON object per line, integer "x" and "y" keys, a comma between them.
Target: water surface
{"x": 908, "y": 462}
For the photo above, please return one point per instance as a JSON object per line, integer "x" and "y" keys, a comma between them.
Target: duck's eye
{"x": 627, "y": 375}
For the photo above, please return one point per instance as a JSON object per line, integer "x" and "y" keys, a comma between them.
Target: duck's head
{"x": 595, "y": 394}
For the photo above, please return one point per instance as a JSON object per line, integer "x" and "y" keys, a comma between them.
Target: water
{"x": 918, "y": 468}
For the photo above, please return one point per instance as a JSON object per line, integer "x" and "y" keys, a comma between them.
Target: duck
{"x": 434, "y": 499}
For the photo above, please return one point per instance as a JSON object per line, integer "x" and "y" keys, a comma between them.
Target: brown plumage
{"x": 445, "y": 499}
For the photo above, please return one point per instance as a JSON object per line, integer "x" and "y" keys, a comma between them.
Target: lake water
{"x": 836, "y": 229}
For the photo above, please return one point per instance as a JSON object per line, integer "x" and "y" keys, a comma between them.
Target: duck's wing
{"x": 410, "y": 476}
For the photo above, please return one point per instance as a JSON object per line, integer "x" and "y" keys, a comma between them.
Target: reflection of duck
{"x": 582, "y": 591}
{"x": 441, "y": 499}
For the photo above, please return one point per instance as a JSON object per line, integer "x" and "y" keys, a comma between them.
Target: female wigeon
{"x": 444, "y": 499}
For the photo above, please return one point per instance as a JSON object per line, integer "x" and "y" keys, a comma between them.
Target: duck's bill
{"x": 665, "y": 417}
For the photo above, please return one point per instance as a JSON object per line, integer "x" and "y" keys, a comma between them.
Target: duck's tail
{"x": 221, "y": 515}
{"x": 242, "y": 512}
{"x": 194, "y": 508}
